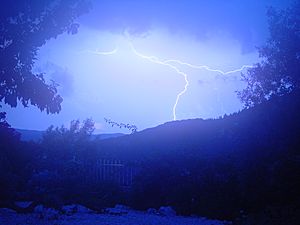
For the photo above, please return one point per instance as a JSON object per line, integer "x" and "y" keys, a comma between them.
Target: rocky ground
{"x": 83, "y": 216}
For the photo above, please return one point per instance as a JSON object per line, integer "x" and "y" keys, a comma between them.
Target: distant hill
{"x": 30, "y": 135}
{"x": 270, "y": 125}
{"x": 35, "y": 135}
{"x": 107, "y": 136}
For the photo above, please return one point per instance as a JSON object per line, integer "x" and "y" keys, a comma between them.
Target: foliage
{"x": 17, "y": 160}
{"x": 68, "y": 144}
{"x": 24, "y": 27}
{"x": 7, "y": 134}
{"x": 54, "y": 171}
{"x": 278, "y": 72}
{"x": 132, "y": 128}
{"x": 61, "y": 177}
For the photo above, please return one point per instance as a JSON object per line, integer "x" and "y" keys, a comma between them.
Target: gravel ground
{"x": 9, "y": 217}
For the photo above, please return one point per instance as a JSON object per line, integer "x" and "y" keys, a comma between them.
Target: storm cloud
{"x": 245, "y": 21}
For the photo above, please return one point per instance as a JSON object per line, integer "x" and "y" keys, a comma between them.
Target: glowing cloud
{"x": 100, "y": 52}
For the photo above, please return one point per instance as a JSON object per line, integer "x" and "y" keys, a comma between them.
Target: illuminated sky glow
{"x": 151, "y": 65}
{"x": 160, "y": 86}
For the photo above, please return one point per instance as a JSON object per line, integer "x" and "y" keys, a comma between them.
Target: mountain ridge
{"x": 253, "y": 126}
{"x": 36, "y": 135}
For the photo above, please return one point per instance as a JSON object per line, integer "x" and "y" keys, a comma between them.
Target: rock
{"x": 38, "y": 209}
{"x": 83, "y": 209}
{"x": 118, "y": 210}
{"x": 74, "y": 208}
{"x": 167, "y": 211}
{"x": 152, "y": 211}
{"x": 123, "y": 207}
{"x": 69, "y": 209}
{"x": 46, "y": 213}
{"x": 51, "y": 214}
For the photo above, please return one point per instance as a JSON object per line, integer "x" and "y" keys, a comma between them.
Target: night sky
{"x": 117, "y": 65}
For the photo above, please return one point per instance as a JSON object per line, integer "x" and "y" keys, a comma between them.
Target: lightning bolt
{"x": 154, "y": 59}
{"x": 207, "y": 67}
{"x": 170, "y": 63}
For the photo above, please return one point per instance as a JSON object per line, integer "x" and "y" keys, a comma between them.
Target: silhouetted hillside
{"x": 275, "y": 123}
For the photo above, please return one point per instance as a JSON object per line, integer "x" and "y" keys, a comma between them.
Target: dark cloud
{"x": 245, "y": 20}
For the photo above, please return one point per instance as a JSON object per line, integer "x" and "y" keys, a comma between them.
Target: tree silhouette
{"x": 24, "y": 27}
{"x": 61, "y": 145}
{"x": 278, "y": 72}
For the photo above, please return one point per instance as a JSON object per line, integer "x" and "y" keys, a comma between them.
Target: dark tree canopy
{"x": 26, "y": 25}
{"x": 278, "y": 72}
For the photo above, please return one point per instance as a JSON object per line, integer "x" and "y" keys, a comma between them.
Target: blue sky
{"x": 106, "y": 70}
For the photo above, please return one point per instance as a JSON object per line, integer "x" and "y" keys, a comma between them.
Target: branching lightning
{"x": 170, "y": 63}
{"x": 165, "y": 63}
{"x": 207, "y": 67}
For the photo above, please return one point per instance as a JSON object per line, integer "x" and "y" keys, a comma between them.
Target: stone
{"x": 117, "y": 210}
{"x": 152, "y": 211}
{"x": 38, "y": 209}
{"x": 75, "y": 208}
{"x": 69, "y": 209}
{"x": 167, "y": 211}
{"x": 46, "y": 213}
{"x": 83, "y": 209}
{"x": 123, "y": 207}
